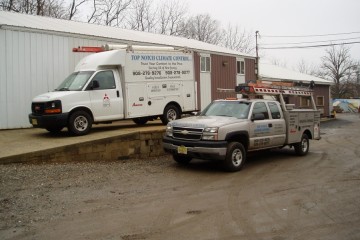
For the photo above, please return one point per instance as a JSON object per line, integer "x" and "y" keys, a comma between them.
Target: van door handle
{"x": 270, "y": 124}
{"x": 117, "y": 93}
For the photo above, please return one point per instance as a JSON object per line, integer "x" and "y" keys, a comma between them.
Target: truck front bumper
{"x": 48, "y": 121}
{"x": 197, "y": 149}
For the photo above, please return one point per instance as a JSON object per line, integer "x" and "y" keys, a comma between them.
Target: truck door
{"x": 261, "y": 127}
{"x": 106, "y": 97}
{"x": 278, "y": 129}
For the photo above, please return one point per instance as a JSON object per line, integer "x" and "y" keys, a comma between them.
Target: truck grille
{"x": 38, "y": 108}
{"x": 187, "y": 133}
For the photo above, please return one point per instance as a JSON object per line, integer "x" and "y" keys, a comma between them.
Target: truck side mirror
{"x": 257, "y": 116}
{"x": 95, "y": 84}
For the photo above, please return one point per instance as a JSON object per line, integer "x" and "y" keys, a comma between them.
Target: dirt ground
{"x": 276, "y": 196}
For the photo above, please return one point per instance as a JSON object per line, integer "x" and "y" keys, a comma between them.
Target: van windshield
{"x": 235, "y": 109}
{"x": 75, "y": 82}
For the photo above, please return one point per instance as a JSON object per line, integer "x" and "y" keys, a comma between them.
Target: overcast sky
{"x": 289, "y": 18}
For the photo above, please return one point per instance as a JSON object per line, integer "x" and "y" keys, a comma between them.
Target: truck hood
{"x": 50, "y": 96}
{"x": 205, "y": 121}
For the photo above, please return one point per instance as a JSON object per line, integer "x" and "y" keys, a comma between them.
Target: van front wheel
{"x": 79, "y": 123}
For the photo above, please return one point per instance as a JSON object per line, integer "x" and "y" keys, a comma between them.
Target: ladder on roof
{"x": 278, "y": 88}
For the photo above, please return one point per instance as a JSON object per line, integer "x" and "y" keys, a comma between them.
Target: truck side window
{"x": 260, "y": 107}
{"x": 105, "y": 79}
{"x": 275, "y": 111}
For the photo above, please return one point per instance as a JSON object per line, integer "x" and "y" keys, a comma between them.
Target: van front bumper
{"x": 49, "y": 121}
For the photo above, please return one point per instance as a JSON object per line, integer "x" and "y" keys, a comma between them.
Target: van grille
{"x": 38, "y": 108}
{"x": 187, "y": 133}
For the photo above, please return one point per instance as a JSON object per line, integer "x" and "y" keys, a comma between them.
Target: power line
{"x": 302, "y": 36}
{"x": 311, "y": 46}
{"x": 333, "y": 40}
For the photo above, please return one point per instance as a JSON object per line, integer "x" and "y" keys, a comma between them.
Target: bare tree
{"x": 108, "y": 12}
{"x": 338, "y": 66}
{"x": 171, "y": 15}
{"x": 238, "y": 39}
{"x": 309, "y": 69}
{"x": 203, "y": 28}
{"x": 142, "y": 16}
{"x": 73, "y": 8}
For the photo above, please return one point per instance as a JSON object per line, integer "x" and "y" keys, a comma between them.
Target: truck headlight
{"x": 53, "y": 107}
{"x": 210, "y": 133}
{"x": 169, "y": 130}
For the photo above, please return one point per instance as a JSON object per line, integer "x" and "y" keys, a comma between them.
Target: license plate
{"x": 182, "y": 150}
{"x": 34, "y": 121}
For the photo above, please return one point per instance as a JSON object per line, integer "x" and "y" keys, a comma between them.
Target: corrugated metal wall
{"x": 250, "y": 70}
{"x": 31, "y": 64}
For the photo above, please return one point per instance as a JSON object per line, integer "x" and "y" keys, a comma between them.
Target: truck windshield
{"x": 75, "y": 82}
{"x": 227, "y": 108}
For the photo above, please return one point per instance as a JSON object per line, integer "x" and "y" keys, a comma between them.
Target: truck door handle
{"x": 117, "y": 93}
{"x": 270, "y": 124}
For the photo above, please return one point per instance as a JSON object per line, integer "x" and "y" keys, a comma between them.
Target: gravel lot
{"x": 276, "y": 196}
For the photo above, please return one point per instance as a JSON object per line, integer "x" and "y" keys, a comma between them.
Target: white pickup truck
{"x": 227, "y": 129}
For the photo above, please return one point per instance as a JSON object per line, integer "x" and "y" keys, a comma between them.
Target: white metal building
{"x": 36, "y": 55}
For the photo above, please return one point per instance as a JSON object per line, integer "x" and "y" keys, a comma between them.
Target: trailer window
{"x": 240, "y": 67}
{"x": 205, "y": 64}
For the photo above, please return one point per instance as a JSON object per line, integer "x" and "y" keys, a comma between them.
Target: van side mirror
{"x": 95, "y": 84}
{"x": 257, "y": 116}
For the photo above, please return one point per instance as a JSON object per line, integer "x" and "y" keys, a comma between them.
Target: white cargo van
{"x": 138, "y": 83}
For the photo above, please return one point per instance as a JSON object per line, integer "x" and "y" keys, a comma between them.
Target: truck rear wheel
{"x": 235, "y": 157}
{"x": 79, "y": 123}
{"x": 171, "y": 113}
{"x": 302, "y": 148}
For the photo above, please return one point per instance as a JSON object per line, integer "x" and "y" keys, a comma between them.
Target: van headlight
{"x": 169, "y": 130}
{"x": 210, "y": 133}
{"x": 53, "y": 107}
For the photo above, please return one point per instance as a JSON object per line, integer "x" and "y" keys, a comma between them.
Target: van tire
{"x": 140, "y": 121}
{"x": 54, "y": 130}
{"x": 79, "y": 123}
{"x": 302, "y": 147}
{"x": 235, "y": 157}
{"x": 171, "y": 113}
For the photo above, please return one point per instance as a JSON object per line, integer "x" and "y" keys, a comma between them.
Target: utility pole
{"x": 257, "y": 55}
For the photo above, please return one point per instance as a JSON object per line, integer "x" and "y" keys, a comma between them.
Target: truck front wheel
{"x": 171, "y": 112}
{"x": 235, "y": 157}
{"x": 181, "y": 159}
{"x": 302, "y": 148}
{"x": 79, "y": 123}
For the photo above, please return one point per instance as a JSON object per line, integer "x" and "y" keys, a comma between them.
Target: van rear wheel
{"x": 79, "y": 123}
{"x": 171, "y": 113}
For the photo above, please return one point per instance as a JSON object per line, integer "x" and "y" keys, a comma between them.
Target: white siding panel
{"x": 3, "y": 80}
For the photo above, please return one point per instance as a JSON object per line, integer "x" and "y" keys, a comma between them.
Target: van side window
{"x": 275, "y": 111}
{"x": 105, "y": 79}
{"x": 260, "y": 107}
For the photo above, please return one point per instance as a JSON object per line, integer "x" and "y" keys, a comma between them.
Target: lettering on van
{"x": 160, "y": 67}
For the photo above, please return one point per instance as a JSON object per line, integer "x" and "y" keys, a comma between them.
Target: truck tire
{"x": 171, "y": 112}
{"x": 140, "y": 121}
{"x": 302, "y": 148}
{"x": 54, "y": 130}
{"x": 235, "y": 157}
{"x": 79, "y": 123}
{"x": 181, "y": 159}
